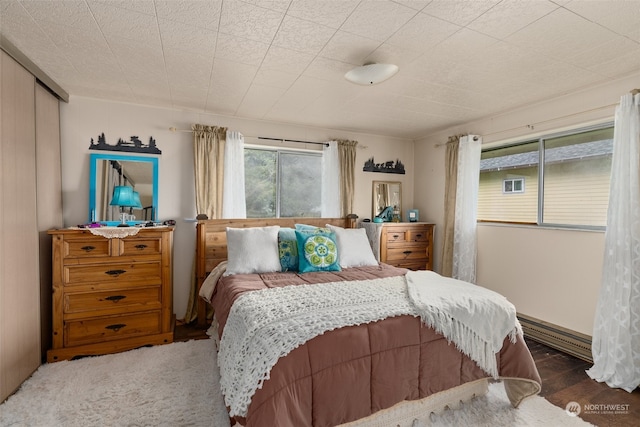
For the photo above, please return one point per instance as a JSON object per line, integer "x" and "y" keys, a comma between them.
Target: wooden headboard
{"x": 211, "y": 243}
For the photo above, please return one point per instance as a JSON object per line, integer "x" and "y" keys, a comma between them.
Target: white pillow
{"x": 252, "y": 250}
{"x": 353, "y": 247}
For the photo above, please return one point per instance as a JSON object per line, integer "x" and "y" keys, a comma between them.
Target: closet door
{"x": 19, "y": 272}
{"x": 49, "y": 198}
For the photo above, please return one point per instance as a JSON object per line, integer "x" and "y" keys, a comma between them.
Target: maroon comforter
{"x": 352, "y": 372}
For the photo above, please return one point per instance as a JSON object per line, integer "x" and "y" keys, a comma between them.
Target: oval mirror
{"x": 108, "y": 171}
{"x": 386, "y": 194}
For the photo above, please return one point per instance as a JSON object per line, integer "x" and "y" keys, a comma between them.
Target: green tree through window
{"x": 260, "y": 169}
{"x": 282, "y": 183}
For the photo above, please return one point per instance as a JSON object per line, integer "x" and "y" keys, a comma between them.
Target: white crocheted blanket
{"x": 474, "y": 318}
{"x": 265, "y": 325}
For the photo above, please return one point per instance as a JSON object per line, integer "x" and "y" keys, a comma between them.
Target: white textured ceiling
{"x": 285, "y": 60}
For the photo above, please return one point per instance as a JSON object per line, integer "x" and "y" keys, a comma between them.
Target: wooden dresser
{"x": 110, "y": 294}
{"x": 407, "y": 245}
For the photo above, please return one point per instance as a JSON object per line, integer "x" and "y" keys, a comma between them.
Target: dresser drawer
{"x": 101, "y": 329}
{"x": 113, "y": 301}
{"x": 140, "y": 246}
{"x": 132, "y": 273}
{"x": 418, "y": 235}
{"x": 410, "y": 265}
{"x": 407, "y": 236}
{"x": 86, "y": 248}
{"x": 407, "y": 253}
{"x": 395, "y": 236}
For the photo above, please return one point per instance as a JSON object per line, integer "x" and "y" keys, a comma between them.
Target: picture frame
{"x": 413, "y": 215}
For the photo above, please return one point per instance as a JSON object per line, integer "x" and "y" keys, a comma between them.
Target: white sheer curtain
{"x": 464, "y": 233}
{"x": 330, "y": 181}
{"x": 616, "y": 334}
{"x": 233, "y": 196}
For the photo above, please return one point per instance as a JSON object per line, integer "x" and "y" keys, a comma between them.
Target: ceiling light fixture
{"x": 371, "y": 74}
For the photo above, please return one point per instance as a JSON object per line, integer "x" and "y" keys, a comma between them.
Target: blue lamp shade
{"x": 124, "y": 196}
{"x": 136, "y": 199}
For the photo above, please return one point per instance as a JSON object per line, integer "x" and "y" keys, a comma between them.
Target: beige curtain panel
{"x": 208, "y": 146}
{"x": 347, "y": 157}
{"x": 450, "y": 183}
{"x": 208, "y": 155}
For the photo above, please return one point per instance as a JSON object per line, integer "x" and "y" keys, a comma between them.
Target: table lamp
{"x": 125, "y": 197}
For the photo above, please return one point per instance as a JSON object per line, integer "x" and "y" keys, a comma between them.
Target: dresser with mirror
{"x": 401, "y": 244}
{"x": 113, "y": 281}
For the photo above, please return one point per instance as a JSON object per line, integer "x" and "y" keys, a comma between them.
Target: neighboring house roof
{"x": 552, "y": 155}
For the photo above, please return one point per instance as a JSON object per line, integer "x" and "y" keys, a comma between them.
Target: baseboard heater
{"x": 563, "y": 339}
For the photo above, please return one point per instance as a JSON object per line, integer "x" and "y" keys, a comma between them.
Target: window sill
{"x": 542, "y": 227}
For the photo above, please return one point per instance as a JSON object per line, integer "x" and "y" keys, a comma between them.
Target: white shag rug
{"x": 178, "y": 385}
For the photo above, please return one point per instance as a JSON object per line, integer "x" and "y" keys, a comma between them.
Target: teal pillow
{"x": 288, "y": 249}
{"x": 318, "y": 250}
{"x": 305, "y": 227}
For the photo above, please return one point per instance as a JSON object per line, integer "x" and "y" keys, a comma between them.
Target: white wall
{"x": 85, "y": 118}
{"x": 553, "y": 275}
{"x": 550, "y": 274}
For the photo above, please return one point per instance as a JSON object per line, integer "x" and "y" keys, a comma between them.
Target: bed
{"x": 383, "y": 367}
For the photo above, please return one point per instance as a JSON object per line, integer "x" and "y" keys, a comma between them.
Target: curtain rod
{"x": 291, "y": 140}
{"x": 533, "y": 125}
{"x": 173, "y": 129}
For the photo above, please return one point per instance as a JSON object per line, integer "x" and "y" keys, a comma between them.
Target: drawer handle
{"x": 395, "y": 236}
{"x": 115, "y": 298}
{"x": 140, "y": 247}
{"x": 116, "y": 327}
{"x": 88, "y": 248}
{"x": 418, "y": 236}
{"x": 115, "y": 273}
{"x": 407, "y": 252}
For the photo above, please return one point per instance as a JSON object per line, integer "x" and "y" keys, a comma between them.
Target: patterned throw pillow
{"x": 318, "y": 250}
{"x": 288, "y": 249}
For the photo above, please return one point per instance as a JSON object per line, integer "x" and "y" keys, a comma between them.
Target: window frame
{"x": 278, "y": 165}
{"x": 540, "y": 222}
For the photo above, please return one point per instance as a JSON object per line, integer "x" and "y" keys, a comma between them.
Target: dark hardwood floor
{"x": 563, "y": 381}
{"x": 186, "y": 332}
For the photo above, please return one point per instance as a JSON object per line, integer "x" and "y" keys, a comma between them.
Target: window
{"x": 281, "y": 183}
{"x": 503, "y": 164}
{"x": 513, "y": 185}
{"x": 567, "y": 179}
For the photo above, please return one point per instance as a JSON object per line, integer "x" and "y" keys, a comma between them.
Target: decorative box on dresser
{"x": 402, "y": 244}
{"x": 110, "y": 294}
